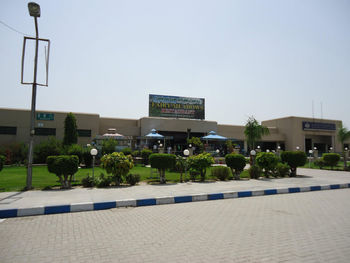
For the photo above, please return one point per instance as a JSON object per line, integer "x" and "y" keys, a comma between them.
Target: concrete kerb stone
{"x": 89, "y": 206}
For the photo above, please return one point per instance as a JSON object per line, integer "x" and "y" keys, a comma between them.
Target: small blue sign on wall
{"x": 45, "y": 116}
{"x": 309, "y": 126}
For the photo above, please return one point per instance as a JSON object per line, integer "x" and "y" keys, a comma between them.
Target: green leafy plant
{"x": 118, "y": 165}
{"x": 294, "y": 159}
{"x": 254, "y": 172}
{"x": 162, "y": 161}
{"x": 76, "y": 149}
{"x": 196, "y": 142}
{"x": 132, "y": 179}
{"x": 181, "y": 166}
{"x": 343, "y": 135}
{"x": 331, "y": 159}
{"x": 2, "y": 161}
{"x": 136, "y": 153}
{"x": 87, "y": 157}
{"x": 64, "y": 166}
{"x": 108, "y": 146}
{"x": 236, "y": 162}
{"x": 253, "y": 132}
{"x": 267, "y": 161}
{"x": 103, "y": 181}
{"x": 88, "y": 181}
{"x": 145, "y": 153}
{"x": 200, "y": 163}
{"x": 220, "y": 172}
{"x": 70, "y": 130}
{"x": 281, "y": 170}
{"x": 49, "y": 147}
{"x": 126, "y": 151}
{"x": 15, "y": 153}
{"x": 320, "y": 163}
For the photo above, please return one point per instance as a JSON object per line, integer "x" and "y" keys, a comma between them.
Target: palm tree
{"x": 343, "y": 135}
{"x": 254, "y": 131}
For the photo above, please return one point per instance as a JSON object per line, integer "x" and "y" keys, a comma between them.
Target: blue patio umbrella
{"x": 154, "y": 135}
{"x": 214, "y": 137}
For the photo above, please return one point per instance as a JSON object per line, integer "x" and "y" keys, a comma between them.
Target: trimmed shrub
{"x": 267, "y": 161}
{"x": 236, "y": 162}
{"x": 118, "y": 165}
{"x": 126, "y": 151}
{"x": 281, "y": 170}
{"x": 220, "y": 172}
{"x": 200, "y": 163}
{"x": 320, "y": 163}
{"x": 294, "y": 159}
{"x": 64, "y": 166}
{"x": 331, "y": 159}
{"x": 132, "y": 179}
{"x": 50, "y": 147}
{"x": 162, "y": 161}
{"x": 254, "y": 172}
{"x": 180, "y": 166}
{"x": 2, "y": 161}
{"x": 76, "y": 149}
{"x": 145, "y": 153}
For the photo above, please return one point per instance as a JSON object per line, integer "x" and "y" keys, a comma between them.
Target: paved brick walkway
{"x": 303, "y": 227}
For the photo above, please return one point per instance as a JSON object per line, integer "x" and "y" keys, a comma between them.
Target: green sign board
{"x": 176, "y": 107}
{"x": 45, "y": 116}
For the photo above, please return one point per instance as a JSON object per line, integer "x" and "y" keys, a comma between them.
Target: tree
{"x": 118, "y": 165}
{"x": 70, "y": 130}
{"x": 254, "y": 131}
{"x": 162, "y": 161}
{"x": 343, "y": 135}
{"x": 200, "y": 163}
{"x": 236, "y": 162}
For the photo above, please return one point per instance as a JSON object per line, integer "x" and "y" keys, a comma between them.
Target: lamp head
{"x": 93, "y": 152}
{"x": 186, "y": 152}
{"x": 34, "y": 9}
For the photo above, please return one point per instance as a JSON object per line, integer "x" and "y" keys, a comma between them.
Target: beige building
{"x": 287, "y": 133}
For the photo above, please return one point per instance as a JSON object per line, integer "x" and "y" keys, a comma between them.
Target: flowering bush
{"x": 118, "y": 165}
{"x": 200, "y": 163}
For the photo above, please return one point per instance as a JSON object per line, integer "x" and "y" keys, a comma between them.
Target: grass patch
{"x": 339, "y": 167}
{"x": 13, "y": 178}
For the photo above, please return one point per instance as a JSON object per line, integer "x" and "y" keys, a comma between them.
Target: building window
{"x": 45, "y": 131}
{"x": 8, "y": 130}
{"x": 84, "y": 133}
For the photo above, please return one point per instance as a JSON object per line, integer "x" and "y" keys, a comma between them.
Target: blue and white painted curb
{"x": 89, "y": 206}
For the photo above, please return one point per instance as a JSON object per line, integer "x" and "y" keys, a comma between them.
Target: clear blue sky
{"x": 266, "y": 58}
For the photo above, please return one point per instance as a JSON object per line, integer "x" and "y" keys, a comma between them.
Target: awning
{"x": 214, "y": 137}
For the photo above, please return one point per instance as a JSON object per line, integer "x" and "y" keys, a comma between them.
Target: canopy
{"x": 214, "y": 137}
{"x": 154, "y": 135}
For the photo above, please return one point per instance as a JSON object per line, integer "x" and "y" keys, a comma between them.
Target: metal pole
{"x": 93, "y": 172}
{"x": 32, "y": 113}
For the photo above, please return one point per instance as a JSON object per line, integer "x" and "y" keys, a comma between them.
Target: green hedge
{"x": 220, "y": 172}
{"x": 267, "y": 161}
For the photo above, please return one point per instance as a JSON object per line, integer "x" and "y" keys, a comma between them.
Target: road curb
{"x": 89, "y": 206}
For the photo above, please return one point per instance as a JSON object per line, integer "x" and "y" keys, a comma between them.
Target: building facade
{"x": 287, "y": 133}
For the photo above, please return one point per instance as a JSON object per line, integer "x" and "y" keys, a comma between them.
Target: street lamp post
{"x": 310, "y": 152}
{"x": 252, "y": 157}
{"x": 93, "y": 152}
{"x": 186, "y": 154}
{"x": 34, "y": 11}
